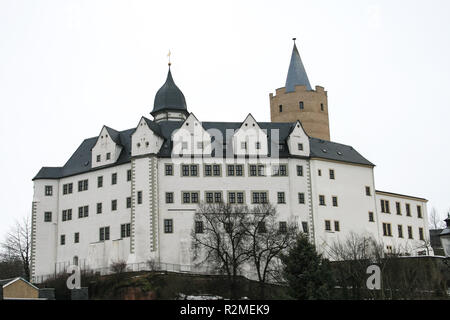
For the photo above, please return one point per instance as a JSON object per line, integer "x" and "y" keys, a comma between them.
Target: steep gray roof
{"x": 296, "y": 74}
{"x": 169, "y": 97}
{"x": 80, "y": 161}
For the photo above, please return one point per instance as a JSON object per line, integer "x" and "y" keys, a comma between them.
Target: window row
{"x": 387, "y": 231}
{"x": 104, "y": 234}
{"x": 83, "y": 185}
{"x": 385, "y": 208}
{"x": 232, "y": 170}
{"x": 322, "y": 202}
{"x": 83, "y": 211}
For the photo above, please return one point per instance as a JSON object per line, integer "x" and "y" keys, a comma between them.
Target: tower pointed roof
{"x": 169, "y": 97}
{"x": 297, "y": 74}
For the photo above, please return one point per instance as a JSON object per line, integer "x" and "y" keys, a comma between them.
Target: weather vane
{"x": 169, "y": 58}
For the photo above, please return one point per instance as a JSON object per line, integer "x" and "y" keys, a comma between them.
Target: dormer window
{"x": 108, "y": 156}
{"x": 184, "y": 145}
{"x": 147, "y": 144}
{"x": 99, "y": 158}
{"x": 200, "y": 145}
{"x": 244, "y": 145}
{"x": 300, "y": 146}
{"x": 258, "y": 145}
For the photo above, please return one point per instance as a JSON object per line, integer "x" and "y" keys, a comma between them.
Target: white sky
{"x": 68, "y": 67}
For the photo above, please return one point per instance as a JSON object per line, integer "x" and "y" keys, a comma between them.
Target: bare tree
{"x": 17, "y": 244}
{"x": 267, "y": 240}
{"x": 220, "y": 238}
{"x": 435, "y": 220}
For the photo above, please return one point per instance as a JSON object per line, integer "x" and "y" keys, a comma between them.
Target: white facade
{"x": 145, "y": 180}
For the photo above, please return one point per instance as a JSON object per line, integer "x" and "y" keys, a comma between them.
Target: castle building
{"x": 131, "y": 195}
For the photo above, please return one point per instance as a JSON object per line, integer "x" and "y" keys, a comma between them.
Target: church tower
{"x": 298, "y": 101}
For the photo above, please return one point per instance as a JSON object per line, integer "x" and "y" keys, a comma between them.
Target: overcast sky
{"x": 69, "y": 67}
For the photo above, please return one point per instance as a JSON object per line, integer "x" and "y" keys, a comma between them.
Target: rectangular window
{"x": 410, "y": 232}
{"x": 83, "y": 212}
{"x": 419, "y": 213}
{"x": 184, "y": 145}
{"x": 261, "y": 170}
{"x": 125, "y": 230}
{"x": 259, "y": 197}
{"x": 228, "y": 226}
{"x": 114, "y": 178}
{"x": 301, "y": 198}
{"x": 99, "y": 158}
{"x": 217, "y": 171}
{"x": 261, "y": 227}
{"x": 104, "y": 234}
{"x": 99, "y": 181}
{"x": 128, "y": 202}
{"x": 209, "y": 197}
{"x": 305, "y": 227}
{"x": 331, "y": 174}
{"x": 385, "y": 206}
{"x": 282, "y": 227}
{"x": 198, "y": 226}
{"x": 67, "y": 188}
{"x": 258, "y": 145}
{"x": 169, "y": 197}
{"x": 336, "y": 226}
{"x": 319, "y": 172}
{"x": 280, "y": 108}
{"x": 368, "y": 192}
{"x": 113, "y": 205}
{"x": 63, "y": 239}
{"x": 47, "y": 216}
{"x": 301, "y": 105}
{"x": 371, "y": 217}
{"x": 200, "y": 145}
{"x": 64, "y": 215}
{"x": 327, "y": 225}
{"x": 335, "y": 201}
{"x": 185, "y": 170}
{"x": 408, "y": 210}
{"x": 231, "y": 197}
{"x": 168, "y": 226}
{"x": 321, "y": 107}
{"x": 240, "y": 197}
{"x": 208, "y": 170}
{"x": 322, "y": 200}
{"x": 421, "y": 234}
{"x": 99, "y": 208}
{"x": 108, "y": 156}
{"x": 76, "y": 237}
{"x": 281, "y": 197}
{"x": 280, "y": 170}
{"x": 253, "y": 171}
{"x": 194, "y": 170}
{"x": 48, "y": 190}
{"x": 400, "y": 231}
{"x": 244, "y": 145}
{"x": 398, "y": 208}
{"x": 239, "y": 170}
{"x": 217, "y": 197}
{"x": 300, "y": 146}
{"x": 169, "y": 169}
{"x": 230, "y": 170}
{"x": 387, "y": 231}
{"x": 82, "y": 185}
{"x": 300, "y": 171}
{"x": 139, "y": 197}
{"x": 186, "y": 197}
{"x": 129, "y": 175}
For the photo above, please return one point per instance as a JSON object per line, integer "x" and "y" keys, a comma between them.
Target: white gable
{"x": 250, "y": 139}
{"x": 298, "y": 141}
{"x": 144, "y": 140}
{"x": 105, "y": 151}
{"x": 191, "y": 138}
